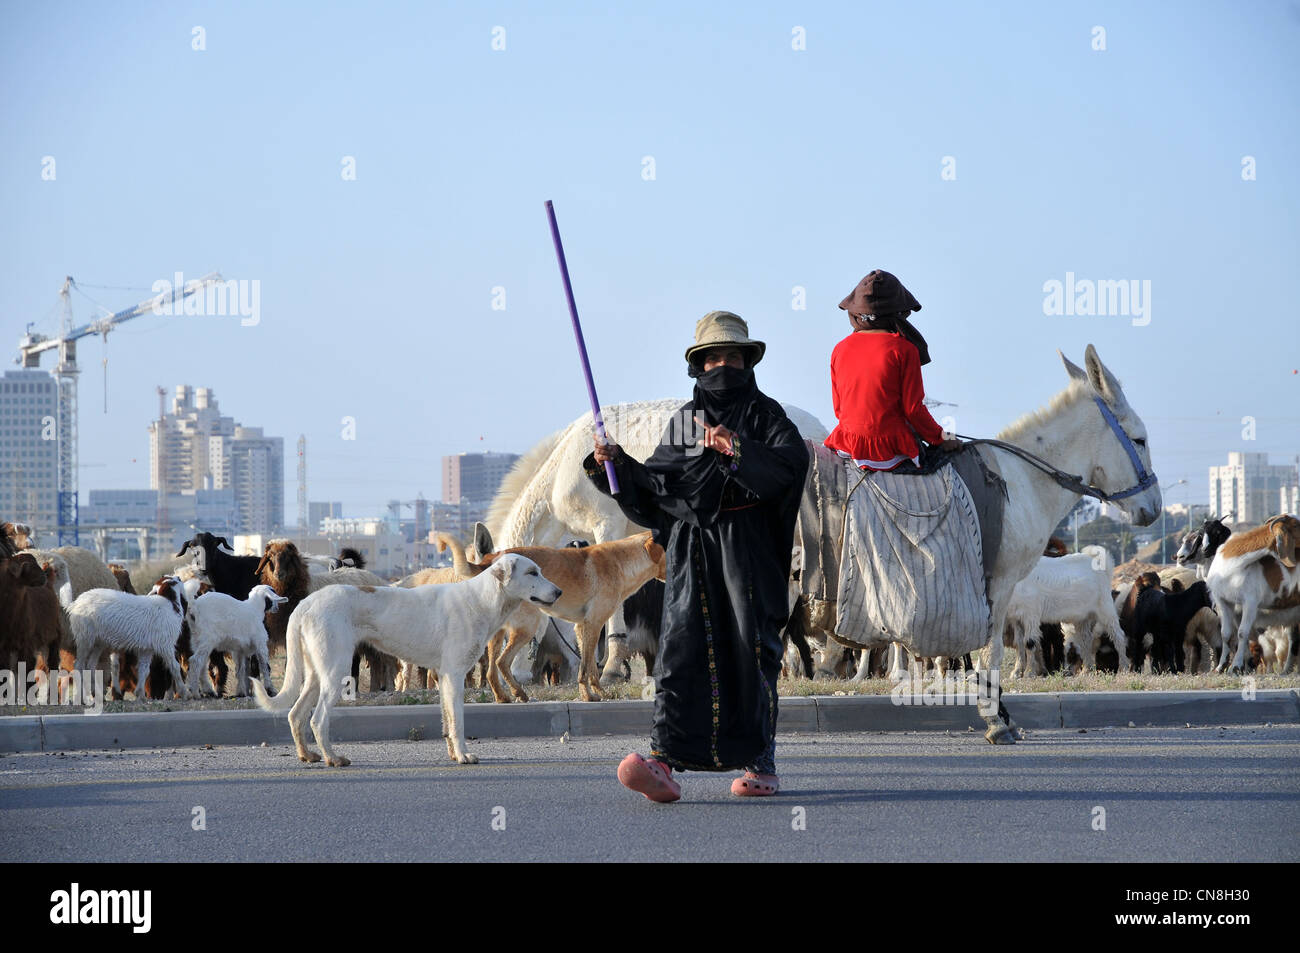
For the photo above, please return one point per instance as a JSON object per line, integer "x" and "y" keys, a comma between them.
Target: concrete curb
{"x": 552, "y": 719}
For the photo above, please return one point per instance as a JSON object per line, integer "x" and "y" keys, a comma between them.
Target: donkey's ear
{"x": 1104, "y": 384}
{"x": 1074, "y": 370}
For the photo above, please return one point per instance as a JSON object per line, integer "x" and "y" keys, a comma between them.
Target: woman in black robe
{"x": 721, "y": 499}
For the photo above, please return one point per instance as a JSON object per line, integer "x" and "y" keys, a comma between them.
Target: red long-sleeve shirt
{"x": 877, "y": 390}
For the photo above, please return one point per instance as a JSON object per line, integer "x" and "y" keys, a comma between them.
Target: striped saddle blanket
{"x": 911, "y": 569}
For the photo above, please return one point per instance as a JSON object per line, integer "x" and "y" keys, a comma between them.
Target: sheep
{"x": 1254, "y": 579}
{"x": 79, "y": 571}
{"x": 157, "y": 680}
{"x": 1275, "y": 648}
{"x": 1067, "y": 589}
{"x": 348, "y": 558}
{"x": 222, "y": 623}
{"x": 148, "y": 625}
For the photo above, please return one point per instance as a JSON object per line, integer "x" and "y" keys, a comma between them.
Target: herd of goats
{"x": 1230, "y": 601}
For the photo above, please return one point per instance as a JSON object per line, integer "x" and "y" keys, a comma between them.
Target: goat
{"x": 1199, "y": 546}
{"x": 14, "y": 538}
{"x": 1066, "y": 589}
{"x": 1165, "y": 616}
{"x": 222, "y": 623}
{"x": 150, "y": 625}
{"x": 30, "y": 615}
{"x": 1254, "y": 580}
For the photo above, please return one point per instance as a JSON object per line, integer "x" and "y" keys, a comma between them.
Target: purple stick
{"x": 582, "y": 345}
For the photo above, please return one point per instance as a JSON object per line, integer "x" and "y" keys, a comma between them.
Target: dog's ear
{"x": 502, "y": 569}
{"x": 656, "y": 553}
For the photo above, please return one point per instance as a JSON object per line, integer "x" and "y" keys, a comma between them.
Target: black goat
{"x": 227, "y": 573}
{"x": 1165, "y": 615}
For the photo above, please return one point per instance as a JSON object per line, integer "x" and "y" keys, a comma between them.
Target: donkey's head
{"x": 1113, "y": 471}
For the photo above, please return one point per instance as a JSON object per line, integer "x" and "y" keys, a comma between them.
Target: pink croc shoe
{"x": 750, "y": 784}
{"x": 649, "y": 777}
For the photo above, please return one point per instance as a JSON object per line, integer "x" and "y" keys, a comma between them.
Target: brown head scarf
{"x": 882, "y": 297}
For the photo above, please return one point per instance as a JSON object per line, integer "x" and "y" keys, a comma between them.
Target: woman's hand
{"x": 716, "y": 438}
{"x": 607, "y": 452}
{"x": 950, "y": 443}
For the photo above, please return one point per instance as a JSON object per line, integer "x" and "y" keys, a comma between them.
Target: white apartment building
{"x": 29, "y": 450}
{"x": 1248, "y": 489}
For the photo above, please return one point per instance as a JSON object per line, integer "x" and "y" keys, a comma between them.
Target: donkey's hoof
{"x": 338, "y": 761}
{"x": 1000, "y": 735}
{"x": 308, "y": 757}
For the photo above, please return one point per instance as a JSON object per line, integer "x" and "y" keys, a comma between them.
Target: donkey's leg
{"x": 897, "y": 667}
{"x": 1001, "y": 730}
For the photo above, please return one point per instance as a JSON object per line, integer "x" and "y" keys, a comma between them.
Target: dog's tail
{"x": 464, "y": 568}
{"x": 294, "y": 669}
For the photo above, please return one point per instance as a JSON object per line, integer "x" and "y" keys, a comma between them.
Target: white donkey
{"x": 547, "y": 495}
{"x": 1087, "y": 440}
{"x": 1089, "y": 430}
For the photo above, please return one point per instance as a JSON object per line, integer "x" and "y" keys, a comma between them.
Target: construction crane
{"x": 34, "y": 344}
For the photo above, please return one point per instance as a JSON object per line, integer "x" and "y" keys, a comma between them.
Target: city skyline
{"x": 1252, "y": 488}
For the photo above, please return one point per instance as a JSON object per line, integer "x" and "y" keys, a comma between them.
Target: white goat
{"x": 222, "y": 623}
{"x": 147, "y": 625}
{"x": 1072, "y": 590}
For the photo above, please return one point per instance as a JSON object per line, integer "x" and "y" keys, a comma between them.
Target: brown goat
{"x": 29, "y": 613}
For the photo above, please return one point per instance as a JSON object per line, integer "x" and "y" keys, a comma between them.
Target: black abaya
{"x": 727, "y": 526}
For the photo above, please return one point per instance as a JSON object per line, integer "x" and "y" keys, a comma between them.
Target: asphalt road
{"x": 1198, "y": 794}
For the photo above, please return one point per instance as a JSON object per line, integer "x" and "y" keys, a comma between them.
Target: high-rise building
{"x": 196, "y": 448}
{"x": 29, "y": 454}
{"x": 253, "y": 466}
{"x": 316, "y": 512}
{"x": 1249, "y": 489}
{"x": 474, "y": 476}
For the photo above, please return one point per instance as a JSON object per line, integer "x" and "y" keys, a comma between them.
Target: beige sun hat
{"x": 723, "y": 328}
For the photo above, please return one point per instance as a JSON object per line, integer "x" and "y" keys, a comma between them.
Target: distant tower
{"x": 163, "y": 539}
{"x": 302, "y": 485}
{"x": 421, "y": 528}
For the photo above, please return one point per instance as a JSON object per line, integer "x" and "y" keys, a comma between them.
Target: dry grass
{"x": 638, "y": 689}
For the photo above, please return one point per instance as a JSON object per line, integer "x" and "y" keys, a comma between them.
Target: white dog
{"x": 443, "y": 627}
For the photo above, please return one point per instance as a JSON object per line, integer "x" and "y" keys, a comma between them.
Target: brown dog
{"x": 595, "y": 580}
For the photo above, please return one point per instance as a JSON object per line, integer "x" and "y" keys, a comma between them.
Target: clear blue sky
{"x": 774, "y": 168}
